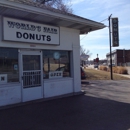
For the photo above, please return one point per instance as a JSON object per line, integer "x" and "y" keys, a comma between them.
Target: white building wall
{"x": 53, "y": 88}
{"x": 69, "y": 40}
{"x": 32, "y": 93}
{"x": 76, "y": 68}
{"x": 10, "y": 94}
{"x": 1, "y": 24}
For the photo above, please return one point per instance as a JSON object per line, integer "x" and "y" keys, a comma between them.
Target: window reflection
{"x": 56, "y": 61}
{"x": 31, "y": 62}
{"x": 9, "y": 64}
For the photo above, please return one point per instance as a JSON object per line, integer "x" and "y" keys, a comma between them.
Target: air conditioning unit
{"x": 3, "y": 78}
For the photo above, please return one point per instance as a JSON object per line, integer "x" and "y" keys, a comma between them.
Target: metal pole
{"x": 110, "y": 46}
{"x": 124, "y": 56}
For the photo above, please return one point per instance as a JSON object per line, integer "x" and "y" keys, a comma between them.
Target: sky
{"x": 97, "y": 42}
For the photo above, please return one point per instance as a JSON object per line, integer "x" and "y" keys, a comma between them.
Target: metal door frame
{"x": 29, "y": 52}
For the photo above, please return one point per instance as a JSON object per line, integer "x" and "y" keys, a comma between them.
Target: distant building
{"x": 120, "y": 57}
{"x": 103, "y": 61}
{"x": 84, "y": 59}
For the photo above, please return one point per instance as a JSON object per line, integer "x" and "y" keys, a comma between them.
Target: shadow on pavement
{"x": 71, "y": 113}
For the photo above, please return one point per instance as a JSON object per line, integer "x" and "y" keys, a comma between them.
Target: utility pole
{"x": 109, "y": 18}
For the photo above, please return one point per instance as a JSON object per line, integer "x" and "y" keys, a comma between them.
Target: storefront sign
{"x": 23, "y": 31}
{"x": 115, "y": 35}
{"x": 3, "y": 78}
{"x": 55, "y": 74}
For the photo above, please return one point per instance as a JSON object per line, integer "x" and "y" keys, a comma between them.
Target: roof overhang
{"x": 40, "y": 15}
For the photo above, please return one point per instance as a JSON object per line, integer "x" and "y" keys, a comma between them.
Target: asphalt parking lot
{"x": 105, "y": 105}
{"x": 117, "y": 90}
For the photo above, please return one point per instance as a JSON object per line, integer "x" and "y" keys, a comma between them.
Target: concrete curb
{"x": 42, "y": 100}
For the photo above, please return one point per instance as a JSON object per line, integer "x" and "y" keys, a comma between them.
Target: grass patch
{"x": 102, "y": 75}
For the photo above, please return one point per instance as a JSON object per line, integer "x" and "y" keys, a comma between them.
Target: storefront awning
{"x": 36, "y": 13}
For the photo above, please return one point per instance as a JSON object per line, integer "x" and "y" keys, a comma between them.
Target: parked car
{"x": 104, "y": 64}
{"x": 113, "y": 65}
{"x": 65, "y": 71}
{"x": 61, "y": 68}
{"x": 95, "y": 66}
{"x": 83, "y": 74}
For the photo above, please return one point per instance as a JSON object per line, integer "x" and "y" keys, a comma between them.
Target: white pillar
{"x": 76, "y": 68}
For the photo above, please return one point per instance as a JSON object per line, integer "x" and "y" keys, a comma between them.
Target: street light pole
{"x": 110, "y": 46}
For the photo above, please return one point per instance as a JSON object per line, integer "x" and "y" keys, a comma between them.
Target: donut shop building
{"x": 39, "y": 52}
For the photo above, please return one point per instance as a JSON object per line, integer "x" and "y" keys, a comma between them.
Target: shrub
{"x": 122, "y": 70}
{"x": 119, "y": 70}
{"x": 104, "y": 68}
{"x": 114, "y": 69}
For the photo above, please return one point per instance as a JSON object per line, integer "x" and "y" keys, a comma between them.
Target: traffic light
{"x": 97, "y": 59}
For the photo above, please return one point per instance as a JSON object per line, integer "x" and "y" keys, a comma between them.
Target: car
{"x": 113, "y": 65}
{"x": 104, "y": 64}
{"x": 83, "y": 74}
{"x": 95, "y": 66}
{"x": 61, "y": 68}
{"x": 65, "y": 71}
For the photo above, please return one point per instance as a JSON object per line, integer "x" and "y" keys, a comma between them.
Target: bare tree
{"x": 83, "y": 51}
{"x": 63, "y": 5}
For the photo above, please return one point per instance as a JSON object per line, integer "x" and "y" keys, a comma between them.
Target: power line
{"x": 104, "y": 20}
{"x": 83, "y": 37}
{"x": 100, "y": 21}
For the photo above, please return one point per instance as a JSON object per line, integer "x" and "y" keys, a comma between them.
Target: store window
{"x": 56, "y": 64}
{"x": 9, "y": 65}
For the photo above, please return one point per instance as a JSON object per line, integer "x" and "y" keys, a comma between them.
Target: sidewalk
{"x": 124, "y": 75}
{"x": 99, "y": 109}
